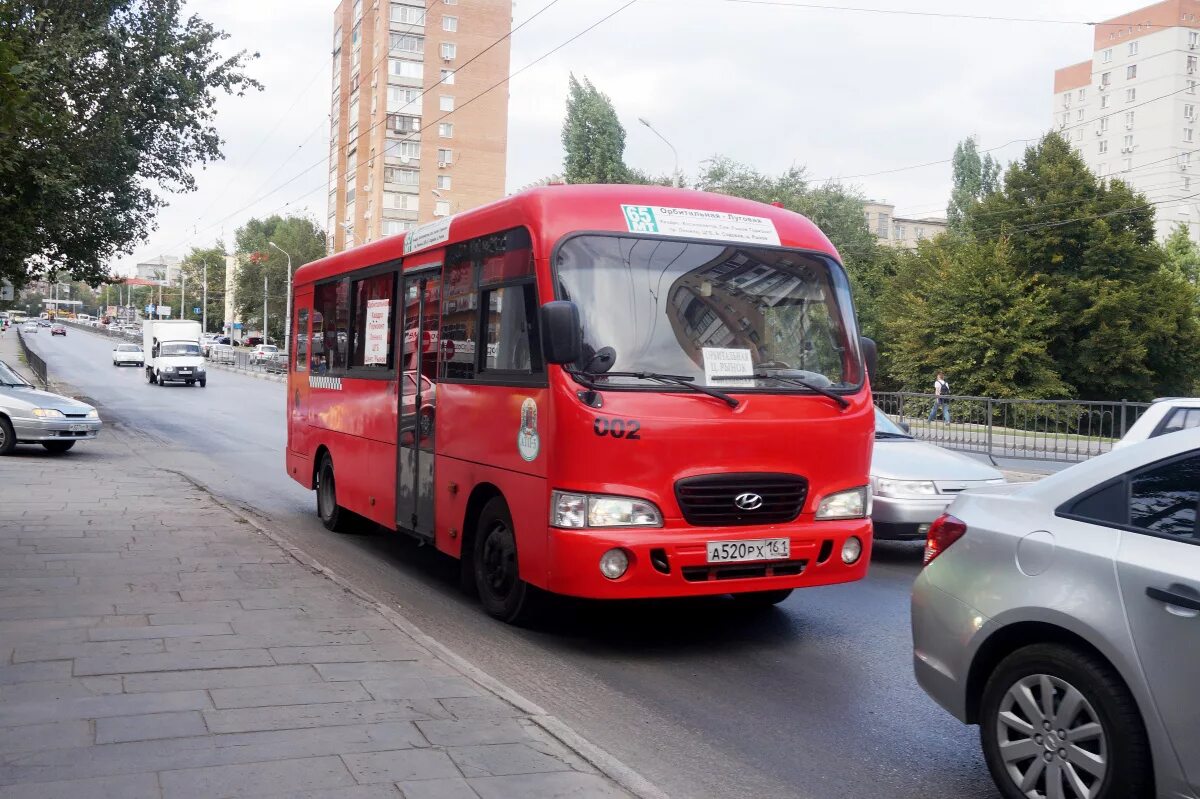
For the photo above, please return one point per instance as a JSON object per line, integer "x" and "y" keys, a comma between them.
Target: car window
{"x": 1165, "y": 499}
{"x": 1180, "y": 419}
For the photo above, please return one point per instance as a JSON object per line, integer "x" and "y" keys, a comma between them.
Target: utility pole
{"x": 264, "y": 330}
{"x": 204, "y": 305}
{"x": 182, "y": 294}
{"x": 287, "y": 320}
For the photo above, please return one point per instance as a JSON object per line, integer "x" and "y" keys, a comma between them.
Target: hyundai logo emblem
{"x": 748, "y": 501}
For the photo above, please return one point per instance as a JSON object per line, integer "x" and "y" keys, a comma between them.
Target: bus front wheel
{"x": 502, "y": 592}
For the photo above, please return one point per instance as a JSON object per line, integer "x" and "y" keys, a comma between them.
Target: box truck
{"x": 172, "y": 352}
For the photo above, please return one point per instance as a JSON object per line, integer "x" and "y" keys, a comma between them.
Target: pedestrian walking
{"x": 941, "y": 396}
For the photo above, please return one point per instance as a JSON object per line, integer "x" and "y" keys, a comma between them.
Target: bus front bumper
{"x": 673, "y": 562}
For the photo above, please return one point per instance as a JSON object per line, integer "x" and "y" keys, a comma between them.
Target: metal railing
{"x": 226, "y": 355}
{"x": 36, "y": 364}
{"x": 1049, "y": 430}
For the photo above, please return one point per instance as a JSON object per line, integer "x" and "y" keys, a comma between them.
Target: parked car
{"x": 1169, "y": 415}
{"x": 131, "y": 354}
{"x": 1063, "y": 617}
{"x": 58, "y": 330}
{"x": 29, "y": 327}
{"x": 221, "y": 353}
{"x": 30, "y": 416}
{"x": 912, "y": 482}
{"x": 263, "y": 353}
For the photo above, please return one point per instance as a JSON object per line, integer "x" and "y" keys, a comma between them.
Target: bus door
{"x": 298, "y": 384}
{"x": 421, "y": 306}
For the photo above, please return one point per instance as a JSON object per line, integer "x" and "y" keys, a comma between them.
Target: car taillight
{"x": 945, "y": 530}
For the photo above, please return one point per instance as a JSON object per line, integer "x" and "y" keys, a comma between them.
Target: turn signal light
{"x": 945, "y": 530}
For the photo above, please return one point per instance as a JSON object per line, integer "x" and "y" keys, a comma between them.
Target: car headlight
{"x": 93, "y": 414}
{"x": 600, "y": 510}
{"x": 908, "y": 489}
{"x": 48, "y": 413}
{"x": 852, "y": 504}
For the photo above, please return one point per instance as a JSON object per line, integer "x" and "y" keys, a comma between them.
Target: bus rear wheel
{"x": 504, "y": 595}
{"x": 333, "y": 516}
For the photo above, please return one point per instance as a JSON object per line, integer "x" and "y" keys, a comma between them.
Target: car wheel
{"x": 8, "y": 439}
{"x": 58, "y": 447}
{"x": 762, "y": 599}
{"x": 1059, "y": 722}
{"x": 203, "y": 382}
{"x": 333, "y": 516}
{"x": 502, "y": 592}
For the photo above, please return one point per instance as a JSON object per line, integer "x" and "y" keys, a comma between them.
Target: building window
{"x": 450, "y": 2}
{"x": 1066, "y": 117}
{"x": 448, "y": 77}
{"x": 446, "y": 130}
{"x": 899, "y": 232}
{"x": 1067, "y": 100}
{"x": 1104, "y": 98}
{"x": 1193, "y": 39}
{"x": 1191, "y": 87}
{"x": 1187, "y": 134}
{"x": 402, "y": 68}
{"x": 404, "y": 150}
{"x": 444, "y": 182}
{"x": 1187, "y": 184}
{"x": 1082, "y": 94}
{"x": 441, "y": 208}
{"x": 372, "y": 345}
{"x": 402, "y": 123}
{"x": 1103, "y": 124}
{"x": 1126, "y": 164}
{"x": 1191, "y": 65}
{"x": 1185, "y": 158}
{"x": 450, "y": 24}
{"x": 331, "y": 323}
{"x": 401, "y": 96}
{"x": 449, "y": 50}
{"x": 407, "y": 43}
{"x": 401, "y": 177}
{"x": 1079, "y": 114}
{"x": 445, "y": 103}
{"x": 1106, "y": 79}
{"x": 1129, "y": 143}
{"x": 1131, "y": 72}
{"x": 357, "y": 10}
{"x": 1133, "y": 48}
{"x": 1130, "y": 95}
{"x": 445, "y": 156}
{"x": 1106, "y": 56}
{"x": 881, "y": 225}
{"x": 407, "y": 15}
{"x": 398, "y": 201}
{"x": 1102, "y": 170}
{"x": 393, "y": 227}
{"x": 1103, "y": 146}
{"x": 1189, "y": 111}
{"x": 1128, "y": 120}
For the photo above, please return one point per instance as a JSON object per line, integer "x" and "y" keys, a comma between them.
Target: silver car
{"x": 30, "y": 416}
{"x": 1063, "y": 617}
{"x": 912, "y": 482}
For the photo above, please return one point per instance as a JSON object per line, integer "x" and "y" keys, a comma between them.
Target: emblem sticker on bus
{"x": 691, "y": 223}
{"x": 527, "y": 436}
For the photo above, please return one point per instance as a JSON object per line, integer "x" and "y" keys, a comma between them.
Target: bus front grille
{"x": 742, "y": 571}
{"x": 713, "y": 500}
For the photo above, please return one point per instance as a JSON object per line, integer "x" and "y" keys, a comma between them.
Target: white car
{"x": 263, "y": 353}
{"x": 1168, "y": 415}
{"x": 131, "y": 354}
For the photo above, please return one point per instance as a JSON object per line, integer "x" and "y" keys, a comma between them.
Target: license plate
{"x": 185, "y": 371}
{"x": 758, "y": 549}
{"x": 79, "y": 428}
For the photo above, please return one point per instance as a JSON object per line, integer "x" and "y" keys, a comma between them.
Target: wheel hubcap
{"x": 326, "y": 493}
{"x": 1050, "y": 739}
{"x": 499, "y": 561}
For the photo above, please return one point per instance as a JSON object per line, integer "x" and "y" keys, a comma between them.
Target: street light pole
{"x": 264, "y": 330}
{"x": 675, "y": 175}
{"x": 287, "y": 323}
{"x": 182, "y": 295}
{"x": 204, "y": 306}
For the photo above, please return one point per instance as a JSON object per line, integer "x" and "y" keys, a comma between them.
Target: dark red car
{"x": 58, "y": 330}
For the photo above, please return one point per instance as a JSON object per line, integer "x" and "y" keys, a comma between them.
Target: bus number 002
{"x": 628, "y": 429}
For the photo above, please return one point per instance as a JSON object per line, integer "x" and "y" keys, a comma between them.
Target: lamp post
{"x": 675, "y": 175}
{"x": 287, "y": 320}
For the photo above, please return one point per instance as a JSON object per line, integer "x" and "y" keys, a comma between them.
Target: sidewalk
{"x": 10, "y": 353}
{"x": 154, "y": 643}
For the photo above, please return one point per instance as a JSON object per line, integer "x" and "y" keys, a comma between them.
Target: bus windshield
{"x": 707, "y": 310}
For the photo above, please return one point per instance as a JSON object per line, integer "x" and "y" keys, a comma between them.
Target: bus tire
{"x": 762, "y": 599}
{"x": 502, "y": 592}
{"x": 333, "y": 516}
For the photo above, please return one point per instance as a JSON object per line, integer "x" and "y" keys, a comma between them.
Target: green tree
{"x": 298, "y": 236}
{"x": 196, "y": 264}
{"x": 593, "y": 137}
{"x": 1183, "y": 256}
{"x": 104, "y": 107}
{"x": 974, "y": 178}
{"x": 1091, "y": 245}
{"x": 963, "y": 307}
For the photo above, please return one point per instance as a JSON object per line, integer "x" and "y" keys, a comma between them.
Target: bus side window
{"x": 512, "y": 333}
{"x": 301, "y": 345}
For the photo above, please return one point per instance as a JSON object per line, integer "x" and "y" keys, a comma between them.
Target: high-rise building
{"x": 900, "y": 231}
{"x": 1131, "y": 110}
{"x": 413, "y": 136}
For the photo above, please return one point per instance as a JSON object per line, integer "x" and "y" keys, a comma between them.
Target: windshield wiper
{"x": 678, "y": 380}
{"x": 795, "y": 381}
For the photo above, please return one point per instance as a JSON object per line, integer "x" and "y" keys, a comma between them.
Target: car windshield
{"x": 179, "y": 348}
{"x": 886, "y": 428}
{"x": 129, "y": 348}
{"x": 10, "y": 378}
{"x": 706, "y": 310}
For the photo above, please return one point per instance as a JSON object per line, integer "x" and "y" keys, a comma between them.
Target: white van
{"x": 172, "y": 352}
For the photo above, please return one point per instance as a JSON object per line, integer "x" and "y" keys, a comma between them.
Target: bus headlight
{"x": 851, "y": 550}
{"x": 614, "y": 563}
{"x": 601, "y": 510}
{"x": 852, "y": 504}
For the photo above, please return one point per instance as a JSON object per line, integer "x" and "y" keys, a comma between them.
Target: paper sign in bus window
{"x": 376, "y": 351}
{"x": 722, "y": 362}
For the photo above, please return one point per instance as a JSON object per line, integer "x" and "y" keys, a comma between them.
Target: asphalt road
{"x": 812, "y": 699}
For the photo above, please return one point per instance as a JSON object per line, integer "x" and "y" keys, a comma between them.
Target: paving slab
{"x": 190, "y": 655}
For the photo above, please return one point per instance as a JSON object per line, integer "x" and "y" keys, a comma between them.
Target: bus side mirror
{"x": 870, "y": 355}
{"x": 562, "y": 332}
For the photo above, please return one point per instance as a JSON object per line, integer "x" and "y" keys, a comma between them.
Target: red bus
{"x": 596, "y": 391}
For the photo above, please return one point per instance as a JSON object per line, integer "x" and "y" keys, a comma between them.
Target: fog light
{"x": 613, "y": 563}
{"x": 851, "y": 550}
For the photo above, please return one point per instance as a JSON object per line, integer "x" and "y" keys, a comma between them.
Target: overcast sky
{"x": 845, "y": 94}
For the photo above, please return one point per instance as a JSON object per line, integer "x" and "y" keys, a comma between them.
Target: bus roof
{"x": 560, "y": 210}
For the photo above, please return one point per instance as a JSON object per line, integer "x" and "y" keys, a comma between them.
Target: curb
{"x": 608, "y": 765}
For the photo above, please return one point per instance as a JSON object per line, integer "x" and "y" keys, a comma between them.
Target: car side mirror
{"x": 562, "y": 332}
{"x": 870, "y": 356}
